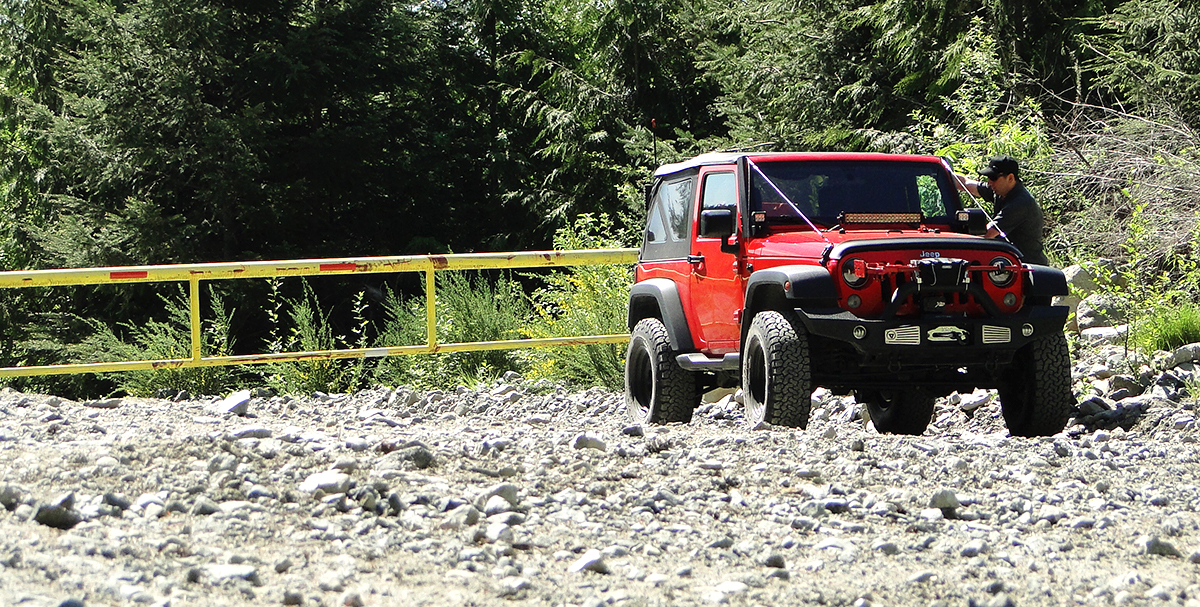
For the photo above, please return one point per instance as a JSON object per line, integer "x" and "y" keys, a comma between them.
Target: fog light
{"x": 860, "y": 332}
{"x": 854, "y": 301}
{"x": 1027, "y": 329}
{"x": 1010, "y": 299}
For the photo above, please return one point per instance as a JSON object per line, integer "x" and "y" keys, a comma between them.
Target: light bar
{"x": 881, "y": 218}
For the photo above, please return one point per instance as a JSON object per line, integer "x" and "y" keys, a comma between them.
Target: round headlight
{"x": 1001, "y": 277}
{"x": 852, "y": 280}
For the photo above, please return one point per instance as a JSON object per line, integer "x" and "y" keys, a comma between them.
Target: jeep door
{"x": 716, "y": 284}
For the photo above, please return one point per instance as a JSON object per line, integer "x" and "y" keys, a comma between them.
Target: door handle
{"x": 695, "y": 259}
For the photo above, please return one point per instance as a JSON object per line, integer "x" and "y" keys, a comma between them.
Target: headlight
{"x": 854, "y": 273}
{"x": 1001, "y": 278}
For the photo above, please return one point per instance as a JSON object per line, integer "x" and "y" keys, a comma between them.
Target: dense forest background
{"x": 175, "y": 131}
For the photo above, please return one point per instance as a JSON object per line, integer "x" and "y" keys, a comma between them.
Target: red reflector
{"x": 120, "y": 275}
{"x": 336, "y": 267}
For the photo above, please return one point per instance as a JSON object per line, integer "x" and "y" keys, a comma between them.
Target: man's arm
{"x": 964, "y": 183}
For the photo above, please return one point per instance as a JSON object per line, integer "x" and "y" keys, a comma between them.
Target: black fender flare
{"x": 788, "y": 287}
{"x": 659, "y": 298}
{"x": 1045, "y": 281}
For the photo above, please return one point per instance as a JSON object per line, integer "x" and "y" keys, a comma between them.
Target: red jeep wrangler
{"x": 862, "y": 273}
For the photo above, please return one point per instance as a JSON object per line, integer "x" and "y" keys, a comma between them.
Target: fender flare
{"x": 807, "y": 284}
{"x": 788, "y": 287}
{"x": 1045, "y": 281}
{"x": 659, "y": 298}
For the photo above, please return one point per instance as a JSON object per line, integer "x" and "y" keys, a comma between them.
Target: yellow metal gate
{"x": 194, "y": 273}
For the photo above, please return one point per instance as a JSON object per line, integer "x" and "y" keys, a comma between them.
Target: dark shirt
{"x": 1020, "y": 218}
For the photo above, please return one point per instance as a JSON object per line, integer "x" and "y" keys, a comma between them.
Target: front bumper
{"x": 931, "y": 340}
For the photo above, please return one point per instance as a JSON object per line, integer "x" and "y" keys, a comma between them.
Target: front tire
{"x": 898, "y": 411}
{"x": 657, "y": 389}
{"x": 1035, "y": 391}
{"x": 776, "y": 371}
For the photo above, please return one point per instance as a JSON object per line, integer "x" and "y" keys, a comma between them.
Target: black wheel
{"x": 776, "y": 371}
{"x": 1035, "y": 391}
{"x": 898, "y": 411}
{"x": 657, "y": 389}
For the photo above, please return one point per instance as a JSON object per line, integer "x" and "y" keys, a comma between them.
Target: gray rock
{"x": 589, "y": 441}
{"x": 330, "y": 481}
{"x": 590, "y": 561}
{"x": 886, "y": 547}
{"x": 1099, "y": 336}
{"x": 944, "y": 499}
{"x": 219, "y": 573}
{"x": 252, "y": 431}
{"x": 10, "y": 496}
{"x": 1080, "y": 280}
{"x": 462, "y": 516}
{"x": 506, "y": 491}
{"x": 237, "y": 403}
{"x": 59, "y": 513}
{"x": 496, "y": 505}
{"x": 205, "y": 506}
{"x": 1101, "y": 310}
{"x": 1157, "y": 547}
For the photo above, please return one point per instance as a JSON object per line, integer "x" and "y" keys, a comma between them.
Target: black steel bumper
{"x": 931, "y": 340}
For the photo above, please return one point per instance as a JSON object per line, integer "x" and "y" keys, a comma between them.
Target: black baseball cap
{"x": 1000, "y": 165}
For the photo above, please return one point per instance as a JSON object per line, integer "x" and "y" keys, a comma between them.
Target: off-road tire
{"x": 657, "y": 389}
{"x": 776, "y": 371}
{"x": 1035, "y": 391}
{"x": 898, "y": 411}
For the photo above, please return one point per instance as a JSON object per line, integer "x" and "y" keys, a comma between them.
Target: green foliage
{"x": 308, "y": 329}
{"x": 1148, "y": 51}
{"x": 470, "y": 308}
{"x": 978, "y": 125}
{"x": 583, "y": 300}
{"x": 167, "y": 339}
{"x": 1159, "y": 294}
{"x": 1170, "y": 327}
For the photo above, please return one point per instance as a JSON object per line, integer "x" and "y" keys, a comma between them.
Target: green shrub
{"x": 167, "y": 339}
{"x": 583, "y": 300}
{"x": 310, "y": 330}
{"x": 1169, "y": 327}
{"x": 470, "y": 308}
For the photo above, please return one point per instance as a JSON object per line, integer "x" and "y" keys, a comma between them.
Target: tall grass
{"x": 471, "y": 307}
{"x": 169, "y": 338}
{"x": 1169, "y": 327}
{"x": 308, "y": 328}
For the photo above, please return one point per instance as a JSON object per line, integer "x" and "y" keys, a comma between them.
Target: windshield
{"x": 824, "y": 189}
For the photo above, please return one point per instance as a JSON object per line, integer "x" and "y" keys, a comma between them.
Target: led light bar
{"x": 881, "y": 218}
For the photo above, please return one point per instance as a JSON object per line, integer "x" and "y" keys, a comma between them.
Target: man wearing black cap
{"x": 1017, "y": 216}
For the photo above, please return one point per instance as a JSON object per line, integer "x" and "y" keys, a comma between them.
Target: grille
{"x": 996, "y": 335}
{"x": 908, "y": 335}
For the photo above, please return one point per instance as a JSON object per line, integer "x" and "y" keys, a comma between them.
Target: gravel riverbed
{"x": 529, "y": 494}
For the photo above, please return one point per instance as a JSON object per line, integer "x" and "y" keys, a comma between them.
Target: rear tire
{"x": 898, "y": 411}
{"x": 657, "y": 389}
{"x": 776, "y": 371}
{"x": 1035, "y": 391}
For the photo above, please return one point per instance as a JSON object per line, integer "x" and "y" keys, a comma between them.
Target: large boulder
{"x": 1101, "y": 310}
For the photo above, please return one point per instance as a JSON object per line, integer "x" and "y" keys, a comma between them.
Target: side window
{"x": 720, "y": 191}
{"x": 677, "y": 202}
{"x": 656, "y": 228}
{"x": 669, "y": 220}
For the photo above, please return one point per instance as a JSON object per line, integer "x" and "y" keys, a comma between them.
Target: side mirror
{"x": 971, "y": 221}
{"x": 716, "y": 223}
